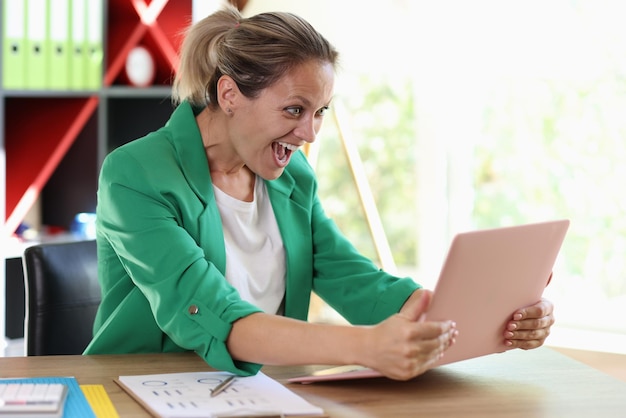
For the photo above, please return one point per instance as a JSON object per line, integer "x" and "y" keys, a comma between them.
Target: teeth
{"x": 290, "y": 147}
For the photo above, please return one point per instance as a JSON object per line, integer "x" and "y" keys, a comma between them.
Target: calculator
{"x": 32, "y": 399}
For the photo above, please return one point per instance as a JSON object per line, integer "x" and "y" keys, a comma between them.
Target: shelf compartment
{"x": 38, "y": 134}
{"x": 158, "y": 26}
{"x": 130, "y": 118}
{"x": 78, "y": 168}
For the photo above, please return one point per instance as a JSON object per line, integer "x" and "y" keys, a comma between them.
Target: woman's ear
{"x": 227, "y": 93}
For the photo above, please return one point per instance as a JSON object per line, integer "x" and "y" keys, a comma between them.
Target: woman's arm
{"x": 400, "y": 347}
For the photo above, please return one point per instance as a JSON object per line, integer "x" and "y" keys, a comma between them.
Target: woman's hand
{"x": 404, "y": 345}
{"x": 530, "y": 326}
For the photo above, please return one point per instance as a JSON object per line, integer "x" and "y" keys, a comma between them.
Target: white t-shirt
{"x": 255, "y": 256}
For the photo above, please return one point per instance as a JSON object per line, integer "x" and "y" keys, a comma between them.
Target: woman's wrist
{"x": 359, "y": 345}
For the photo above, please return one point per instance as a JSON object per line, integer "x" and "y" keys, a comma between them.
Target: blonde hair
{"x": 254, "y": 51}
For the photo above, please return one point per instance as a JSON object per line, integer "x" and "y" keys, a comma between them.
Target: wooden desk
{"x": 525, "y": 384}
{"x": 610, "y": 363}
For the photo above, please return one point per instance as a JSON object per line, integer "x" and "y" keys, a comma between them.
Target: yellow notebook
{"x": 99, "y": 401}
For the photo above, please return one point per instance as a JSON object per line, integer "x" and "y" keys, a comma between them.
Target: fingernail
{"x": 512, "y": 327}
{"x": 508, "y": 343}
{"x": 517, "y": 316}
{"x": 508, "y": 334}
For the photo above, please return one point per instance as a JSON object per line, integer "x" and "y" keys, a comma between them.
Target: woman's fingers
{"x": 530, "y": 326}
{"x": 408, "y": 348}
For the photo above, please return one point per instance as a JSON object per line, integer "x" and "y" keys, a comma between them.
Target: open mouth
{"x": 283, "y": 151}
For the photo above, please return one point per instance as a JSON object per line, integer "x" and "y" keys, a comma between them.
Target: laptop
{"x": 486, "y": 276}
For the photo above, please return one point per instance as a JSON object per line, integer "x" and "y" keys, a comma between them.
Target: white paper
{"x": 188, "y": 395}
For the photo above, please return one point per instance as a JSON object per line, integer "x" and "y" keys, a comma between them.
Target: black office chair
{"x": 62, "y": 296}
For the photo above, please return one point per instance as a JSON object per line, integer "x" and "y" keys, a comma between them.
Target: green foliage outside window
{"x": 381, "y": 122}
{"x": 556, "y": 148}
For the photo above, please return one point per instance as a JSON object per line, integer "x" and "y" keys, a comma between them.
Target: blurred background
{"x": 483, "y": 114}
{"x": 448, "y": 116}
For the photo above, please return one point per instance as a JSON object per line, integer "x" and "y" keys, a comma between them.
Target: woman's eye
{"x": 294, "y": 110}
{"x": 322, "y": 111}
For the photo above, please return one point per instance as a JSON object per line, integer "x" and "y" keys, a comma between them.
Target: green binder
{"x": 58, "y": 45}
{"x": 78, "y": 44}
{"x": 94, "y": 53}
{"x": 14, "y": 44}
{"x": 36, "y": 34}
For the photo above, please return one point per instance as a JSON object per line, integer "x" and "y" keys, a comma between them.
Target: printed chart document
{"x": 188, "y": 395}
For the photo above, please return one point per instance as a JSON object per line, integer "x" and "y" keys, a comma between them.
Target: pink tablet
{"x": 487, "y": 275}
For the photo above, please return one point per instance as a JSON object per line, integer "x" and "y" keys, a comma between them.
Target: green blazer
{"x": 161, "y": 254}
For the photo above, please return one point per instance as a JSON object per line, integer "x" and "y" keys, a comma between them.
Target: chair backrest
{"x": 62, "y": 297}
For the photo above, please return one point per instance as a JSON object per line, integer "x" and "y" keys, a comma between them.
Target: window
{"x": 483, "y": 114}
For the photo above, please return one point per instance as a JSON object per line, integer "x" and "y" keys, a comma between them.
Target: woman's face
{"x": 266, "y": 130}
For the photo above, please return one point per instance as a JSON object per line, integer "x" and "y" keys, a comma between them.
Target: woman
{"x": 211, "y": 236}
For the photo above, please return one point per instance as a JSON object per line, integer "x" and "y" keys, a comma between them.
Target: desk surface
{"x": 528, "y": 384}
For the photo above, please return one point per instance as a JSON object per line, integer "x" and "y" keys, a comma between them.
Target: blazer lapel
{"x": 193, "y": 162}
{"x": 293, "y": 223}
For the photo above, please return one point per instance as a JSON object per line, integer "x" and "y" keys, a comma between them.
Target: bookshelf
{"x": 55, "y": 140}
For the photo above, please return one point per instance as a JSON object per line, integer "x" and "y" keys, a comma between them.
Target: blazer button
{"x": 193, "y": 309}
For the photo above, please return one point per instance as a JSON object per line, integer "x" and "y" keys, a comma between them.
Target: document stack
{"x": 52, "y": 44}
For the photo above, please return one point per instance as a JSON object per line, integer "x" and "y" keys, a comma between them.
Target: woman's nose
{"x": 307, "y": 129}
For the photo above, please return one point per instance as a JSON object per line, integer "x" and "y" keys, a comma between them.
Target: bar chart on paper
{"x": 188, "y": 395}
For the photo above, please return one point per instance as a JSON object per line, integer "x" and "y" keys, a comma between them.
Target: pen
{"x": 222, "y": 386}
